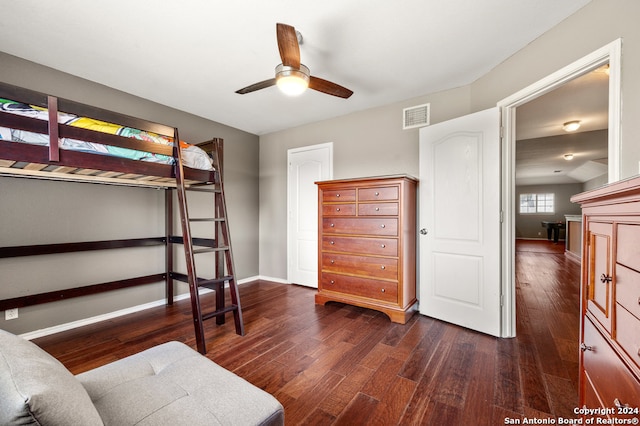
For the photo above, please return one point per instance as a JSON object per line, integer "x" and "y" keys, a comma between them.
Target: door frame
{"x": 290, "y": 231}
{"x": 611, "y": 54}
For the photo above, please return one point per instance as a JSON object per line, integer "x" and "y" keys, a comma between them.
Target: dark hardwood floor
{"x": 339, "y": 364}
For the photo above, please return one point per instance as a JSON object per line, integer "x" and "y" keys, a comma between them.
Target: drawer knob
{"x": 331, "y": 242}
{"x": 333, "y": 261}
{"x": 383, "y": 290}
{"x": 337, "y": 209}
{"x": 383, "y": 226}
{"x": 638, "y": 300}
{"x": 332, "y": 225}
{"x": 332, "y": 282}
{"x": 383, "y": 267}
{"x": 584, "y": 347}
{"x": 384, "y": 245}
{"x": 377, "y": 193}
{"x": 337, "y": 195}
{"x": 605, "y": 278}
{"x": 377, "y": 209}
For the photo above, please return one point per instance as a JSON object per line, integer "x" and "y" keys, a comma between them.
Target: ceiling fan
{"x": 292, "y": 77}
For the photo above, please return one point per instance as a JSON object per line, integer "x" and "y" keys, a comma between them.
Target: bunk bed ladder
{"x": 220, "y": 246}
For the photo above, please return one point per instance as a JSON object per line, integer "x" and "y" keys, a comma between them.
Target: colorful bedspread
{"x": 192, "y": 155}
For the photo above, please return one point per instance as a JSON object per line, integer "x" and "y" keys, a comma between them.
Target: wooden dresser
{"x": 610, "y": 291}
{"x": 367, "y": 244}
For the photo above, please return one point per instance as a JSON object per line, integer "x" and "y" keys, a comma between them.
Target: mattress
{"x": 192, "y": 156}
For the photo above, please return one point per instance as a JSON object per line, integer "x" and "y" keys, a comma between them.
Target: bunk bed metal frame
{"x": 52, "y": 163}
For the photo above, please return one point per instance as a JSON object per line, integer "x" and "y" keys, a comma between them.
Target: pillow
{"x": 35, "y": 388}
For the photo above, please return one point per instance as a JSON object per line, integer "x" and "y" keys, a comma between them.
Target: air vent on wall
{"x": 415, "y": 116}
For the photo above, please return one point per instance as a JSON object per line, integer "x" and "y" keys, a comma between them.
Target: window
{"x": 536, "y": 203}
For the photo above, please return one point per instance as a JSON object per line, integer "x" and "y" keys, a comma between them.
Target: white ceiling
{"x": 541, "y": 142}
{"x": 194, "y": 54}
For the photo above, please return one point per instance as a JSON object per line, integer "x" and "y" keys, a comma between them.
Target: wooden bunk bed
{"x": 45, "y": 137}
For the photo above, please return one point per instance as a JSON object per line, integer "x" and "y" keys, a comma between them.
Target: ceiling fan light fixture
{"x": 292, "y": 81}
{"x": 571, "y": 126}
{"x": 568, "y": 157}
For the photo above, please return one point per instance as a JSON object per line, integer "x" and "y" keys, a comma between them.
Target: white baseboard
{"x": 110, "y": 315}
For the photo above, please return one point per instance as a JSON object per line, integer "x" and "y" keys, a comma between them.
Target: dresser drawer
{"x": 610, "y": 378}
{"x": 369, "y": 266}
{"x": 591, "y": 398}
{"x": 628, "y": 289}
{"x": 385, "y": 291}
{"x": 380, "y": 193}
{"x": 338, "y": 195}
{"x": 628, "y": 334}
{"x": 361, "y": 226}
{"x": 628, "y": 248}
{"x": 378, "y": 209}
{"x": 338, "y": 209}
{"x": 377, "y": 246}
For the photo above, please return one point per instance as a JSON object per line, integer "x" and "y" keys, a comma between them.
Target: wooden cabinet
{"x": 367, "y": 244}
{"x": 610, "y": 291}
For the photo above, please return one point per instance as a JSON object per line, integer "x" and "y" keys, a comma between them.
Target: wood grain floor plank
{"x": 339, "y": 364}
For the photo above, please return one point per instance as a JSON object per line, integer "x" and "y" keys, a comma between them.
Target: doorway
{"x": 610, "y": 55}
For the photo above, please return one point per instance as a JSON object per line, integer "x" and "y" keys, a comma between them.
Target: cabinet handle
{"x": 332, "y": 282}
{"x": 584, "y": 347}
{"x": 337, "y": 195}
{"x": 605, "y": 278}
{"x": 382, "y": 290}
{"x": 384, "y": 245}
{"x": 377, "y": 193}
{"x": 377, "y": 209}
{"x": 638, "y": 300}
{"x": 383, "y": 267}
{"x": 337, "y": 209}
{"x": 331, "y": 242}
{"x": 332, "y": 225}
{"x": 383, "y": 226}
{"x": 333, "y": 261}
{"x": 619, "y": 404}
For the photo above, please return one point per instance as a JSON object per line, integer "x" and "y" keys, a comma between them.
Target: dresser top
{"x": 367, "y": 178}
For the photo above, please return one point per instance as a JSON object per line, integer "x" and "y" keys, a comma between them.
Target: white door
{"x": 460, "y": 221}
{"x": 306, "y": 166}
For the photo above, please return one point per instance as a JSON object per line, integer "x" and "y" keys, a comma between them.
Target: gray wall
{"x": 529, "y": 226}
{"x": 41, "y": 212}
{"x": 373, "y": 143}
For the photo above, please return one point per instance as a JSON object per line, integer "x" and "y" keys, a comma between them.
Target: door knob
{"x": 424, "y": 231}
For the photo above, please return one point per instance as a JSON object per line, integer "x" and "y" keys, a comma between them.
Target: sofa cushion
{"x": 172, "y": 384}
{"x": 35, "y": 388}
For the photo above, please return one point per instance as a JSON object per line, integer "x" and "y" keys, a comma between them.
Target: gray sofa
{"x": 169, "y": 384}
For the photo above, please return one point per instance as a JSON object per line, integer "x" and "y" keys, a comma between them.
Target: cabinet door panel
{"x": 599, "y": 300}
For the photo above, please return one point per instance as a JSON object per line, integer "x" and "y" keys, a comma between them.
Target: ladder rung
{"x": 207, "y": 219}
{"x": 201, "y": 282}
{"x": 210, "y": 249}
{"x": 214, "y": 281}
{"x": 202, "y": 189}
{"x": 219, "y": 312}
